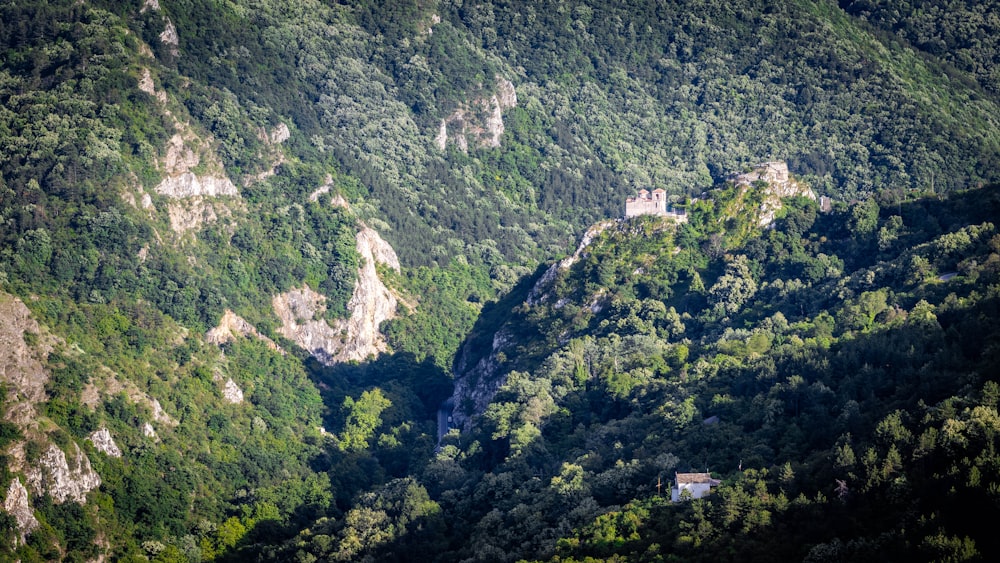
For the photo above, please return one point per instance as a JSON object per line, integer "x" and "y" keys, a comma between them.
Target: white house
{"x": 698, "y": 484}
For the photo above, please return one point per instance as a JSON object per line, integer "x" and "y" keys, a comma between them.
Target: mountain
{"x": 251, "y": 253}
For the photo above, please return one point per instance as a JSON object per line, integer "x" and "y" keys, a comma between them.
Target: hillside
{"x": 250, "y": 249}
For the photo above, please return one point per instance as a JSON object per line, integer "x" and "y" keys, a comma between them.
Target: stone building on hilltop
{"x": 653, "y": 203}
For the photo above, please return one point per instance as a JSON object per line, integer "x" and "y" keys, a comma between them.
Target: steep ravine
{"x": 356, "y": 338}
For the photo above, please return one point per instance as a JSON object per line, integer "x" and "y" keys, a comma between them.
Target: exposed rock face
{"x": 537, "y": 294}
{"x": 358, "y": 337}
{"x": 280, "y": 134}
{"x": 104, "y": 443}
{"x": 231, "y": 392}
{"x": 465, "y": 121}
{"x": 53, "y": 475}
{"x": 148, "y": 431}
{"x": 16, "y": 504}
{"x": 189, "y": 185}
{"x": 476, "y": 385}
{"x": 195, "y": 197}
{"x": 169, "y": 37}
{"x": 146, "y": 85}
{"x": 150, "y": 5}
{"x": 20, "y": 367}
{"x": 232, "y": 325}
{"x": 106, "y": 383}
{"x": 780, "y": 185}
{"x": 272, "y": 153}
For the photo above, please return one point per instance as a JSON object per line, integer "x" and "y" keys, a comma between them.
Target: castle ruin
{"x": 653, "y": 203}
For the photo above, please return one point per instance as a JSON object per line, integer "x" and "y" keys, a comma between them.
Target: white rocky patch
{"x": 53, "y": 475}
{"x": 170, "y": 38}
{"x": 104, "y": 443}
{"x": 232, "y": 325}
{"x": 20, "y": 366}
{"x": 537, "y": 293}
{"x": 372, "y": 303}
{"x": 148, "y": 431}
{"x": 231, "y": 392}
{"x": 16, "y": 504}
{"x": 463, "y": 122}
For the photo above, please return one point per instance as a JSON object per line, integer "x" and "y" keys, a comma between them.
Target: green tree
{"x": 364, "y": 416}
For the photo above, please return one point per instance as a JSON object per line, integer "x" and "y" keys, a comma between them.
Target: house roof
{"x": 691, "y": 478}
{"x": 659, "y": 191}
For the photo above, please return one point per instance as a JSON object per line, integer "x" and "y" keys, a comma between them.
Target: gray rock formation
{"x": 464, "y": 122}
{"x": 232, "y": 325}
{"x": 476, "y": 385}
{"x": 16, "y": 504}
{"x": 372, "y": 303}
{"x": 780, "y": 185}
{"x": 104, "y": 443}
{"x": 54, "y": 476}
{"x": 231, "y": 392}
{"x": 537, "y": 293}
{"x": 20, "y": 367}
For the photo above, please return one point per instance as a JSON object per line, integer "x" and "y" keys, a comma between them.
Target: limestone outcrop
{"x": 231, "y": 326}
{"x": 481, "y": 120}
{"x": 53, "y": 475}
{"x": 356, "y": 338}
{"x": 16, "y": 504}
{"x": 231, "y": 392}
{"x": 105, "y": 383}
{"x": 780, "y": 185}
{"x": 104, "y": 442}
{"x": 20, "y": 363}
{"x": 537, "y": 293}
{"x": 195, "y": 197}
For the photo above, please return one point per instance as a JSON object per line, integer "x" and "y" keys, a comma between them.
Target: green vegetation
{"x": 848, "y": 356}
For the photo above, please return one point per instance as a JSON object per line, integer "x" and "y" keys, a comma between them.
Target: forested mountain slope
{"x": 837, "y": 372}
{"x": 242, "y": 244}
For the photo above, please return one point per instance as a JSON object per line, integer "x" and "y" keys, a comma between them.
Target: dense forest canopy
{"x": 254, "y": 256}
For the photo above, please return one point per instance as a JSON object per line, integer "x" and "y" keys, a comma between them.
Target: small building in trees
{"x": 696, "y": 484}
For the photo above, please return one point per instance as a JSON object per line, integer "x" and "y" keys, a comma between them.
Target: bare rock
{"x": 231, "y": 392}
{"x": 280, "y": 134}
{"x": 16, "y": 504}
{"x": 104, "y": 443}
{"x": 153, "y": 5}
{"x": 53, "y": 475}
{"x": 371, "y": 304}
{"x": 464, "y": 123}
{"x": 170, "y": 38}
{"x": 147, "y": 86}
{"x": 193, "y": 195}
{"x": 780, "y": 185}
{"x": 190, "y": 185}
{"x": 374, "y": 248}
{"x": 537, "y": 293}
{"x": 232, "y": 325}
{"x": 148, "y": 431}
{"x": 20, "y": 364}
{"x": 506, "y": 95}
{"x": 105, "y": 383}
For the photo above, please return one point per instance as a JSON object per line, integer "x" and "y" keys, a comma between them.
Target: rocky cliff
{"x": 21, "y": 369}
{"x": 481, "y": 120}
{"x": 53, "y": 475}
{"x": 231, "y": 326}
{"x": 356, "y": 338}
{"x": 780, "y": 185}
{"x": 16, "y": 504}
